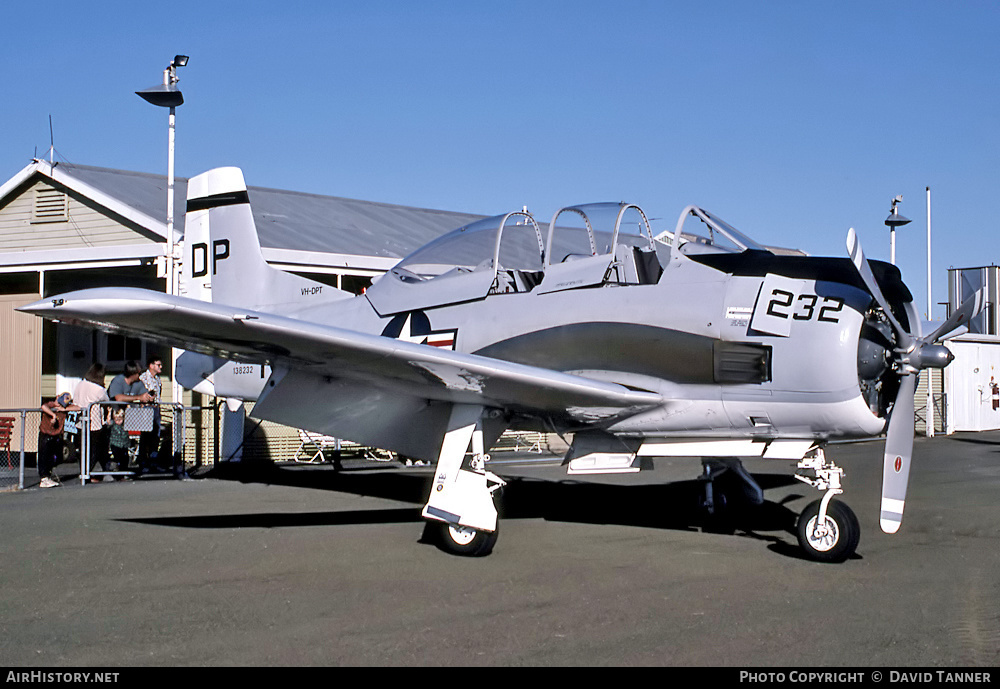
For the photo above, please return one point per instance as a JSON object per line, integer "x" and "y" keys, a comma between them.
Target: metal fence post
{"x": 215, "y": 433}
{"x": 24, "y": 428}
{"x": 85, "y": 447}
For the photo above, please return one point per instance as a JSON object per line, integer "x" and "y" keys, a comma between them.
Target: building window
{"x": 121, "y": 349}
{"x": 355, "y": 284}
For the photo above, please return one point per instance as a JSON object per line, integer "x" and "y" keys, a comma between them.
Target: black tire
{"x": 459, "y": 540}
{"x": 720, "y": 518}
{"x": 68, "y": 453}
{"x": 838, "y": 542}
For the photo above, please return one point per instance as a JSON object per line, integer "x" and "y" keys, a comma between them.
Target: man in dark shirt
{"x": 125, "y": 387}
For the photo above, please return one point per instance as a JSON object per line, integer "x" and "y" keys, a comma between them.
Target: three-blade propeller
{"x": 912, "y": 354}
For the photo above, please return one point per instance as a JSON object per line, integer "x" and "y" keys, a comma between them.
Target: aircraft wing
{"x": 394, "y": 366}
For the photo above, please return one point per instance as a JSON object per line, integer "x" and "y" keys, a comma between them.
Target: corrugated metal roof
{"x": 291, "y": 220}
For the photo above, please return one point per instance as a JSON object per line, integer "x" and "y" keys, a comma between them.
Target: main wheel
{"x": 461, "y": 540}
{"x": 835, "y": 539}
{"x": 717, "y": 513}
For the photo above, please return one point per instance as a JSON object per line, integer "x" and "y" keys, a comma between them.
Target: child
{"x": 119, "y": 441}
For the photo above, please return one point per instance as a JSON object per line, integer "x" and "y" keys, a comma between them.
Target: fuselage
{"x": 738, "y": 355}
{"x": 737, "y": 341}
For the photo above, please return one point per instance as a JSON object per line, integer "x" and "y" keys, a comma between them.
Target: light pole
{"x": 167, "y": 95}
{"x": 892, "y": 222}
{"x": 929, "y": 422}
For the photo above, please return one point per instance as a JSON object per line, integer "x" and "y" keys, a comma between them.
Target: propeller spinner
{"x": 912, "y": 354}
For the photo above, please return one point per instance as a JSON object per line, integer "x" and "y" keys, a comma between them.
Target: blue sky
{"x": 792, "y": 120}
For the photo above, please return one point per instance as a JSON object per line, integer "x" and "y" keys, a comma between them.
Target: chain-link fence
{"x": 18, "y": 445}
{"x": 105, "y": 439}
{"x": 125, "y": 440}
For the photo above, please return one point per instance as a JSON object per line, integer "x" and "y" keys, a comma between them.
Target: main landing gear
{"x": 827, "y": 529}
{"x": 461, "y": 514}
{"x": 463, "y": 540}
{"x": 726, "y": 486}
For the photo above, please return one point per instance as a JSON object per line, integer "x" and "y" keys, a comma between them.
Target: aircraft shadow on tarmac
{"x": 977, "y": 441}
{"x": 676, "y": 506}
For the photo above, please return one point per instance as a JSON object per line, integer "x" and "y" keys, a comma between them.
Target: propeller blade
{"x": 861, "y": 264}
{"x": 898, "y": 452}
{"x": 969, "y": 309}
{"x": 916, "y": 329}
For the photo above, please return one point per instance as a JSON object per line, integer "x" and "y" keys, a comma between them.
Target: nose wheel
{"x": 832, "y": 537}
{"x": 828, "y": 530}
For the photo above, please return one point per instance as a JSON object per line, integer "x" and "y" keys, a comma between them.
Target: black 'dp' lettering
{"x": 220, "y": 252}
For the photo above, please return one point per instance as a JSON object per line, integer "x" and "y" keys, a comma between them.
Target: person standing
{"x": 90, "y": 393}
{"x": 149, "y": 441}
{"x": 50, "y": 443}
{"x": 125, "y": 387}
{"x": 118, "y": 439}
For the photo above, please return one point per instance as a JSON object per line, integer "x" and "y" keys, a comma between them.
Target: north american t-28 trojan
{"x": 704, "y": 344}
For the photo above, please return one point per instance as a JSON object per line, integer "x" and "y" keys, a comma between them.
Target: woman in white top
{"x": 88, "y": 391}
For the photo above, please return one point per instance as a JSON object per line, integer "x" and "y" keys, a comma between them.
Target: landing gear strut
{"x": 460, "y": 509}
{"x": 726, "y": 486}
{"x": 827, "y": 529}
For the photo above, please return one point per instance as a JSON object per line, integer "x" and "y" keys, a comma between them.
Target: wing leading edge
{"x": 417, "y": 371}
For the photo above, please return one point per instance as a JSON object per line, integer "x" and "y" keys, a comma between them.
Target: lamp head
{"x": 166, "y": 95}
{"x": 163, "y": 95}
{"x": 895, "y": 219}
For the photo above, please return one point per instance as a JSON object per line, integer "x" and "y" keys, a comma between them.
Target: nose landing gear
{"x": 827, "y": 529}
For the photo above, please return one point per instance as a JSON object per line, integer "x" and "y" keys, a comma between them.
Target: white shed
{"x": 972, "y": 383}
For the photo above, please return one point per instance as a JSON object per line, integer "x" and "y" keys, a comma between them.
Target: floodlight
{"x": 895, "y": 219}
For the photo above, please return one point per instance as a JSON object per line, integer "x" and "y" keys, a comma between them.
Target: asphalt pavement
{"x": 301, "y": 565}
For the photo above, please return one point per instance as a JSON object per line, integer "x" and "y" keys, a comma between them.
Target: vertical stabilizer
{"x": 224, "y": 251}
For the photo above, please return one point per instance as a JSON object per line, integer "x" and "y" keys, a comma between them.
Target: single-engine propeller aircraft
{"x": 706, "y": 345}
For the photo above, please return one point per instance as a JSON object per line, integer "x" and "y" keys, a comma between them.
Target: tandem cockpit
{"x": 583, "y": 246}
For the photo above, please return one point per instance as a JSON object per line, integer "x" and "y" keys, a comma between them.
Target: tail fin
{"x": 224, "y": 252}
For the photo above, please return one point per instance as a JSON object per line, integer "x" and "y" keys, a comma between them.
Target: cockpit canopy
{"x": 584, "y": 246}
{"x": 513, "y": 241}
{"x": 596, "y": 228}
{"x": 700, "y": 232}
